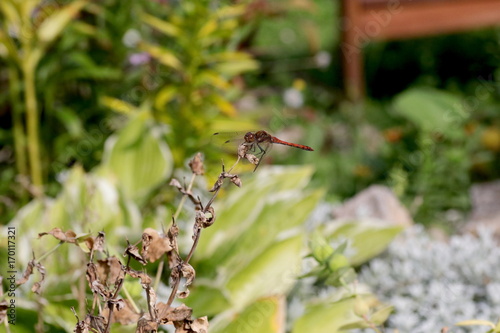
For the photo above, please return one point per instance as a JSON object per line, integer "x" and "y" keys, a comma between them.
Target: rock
{"x": 485, "y": 198}
{"x": 376, "y": 202}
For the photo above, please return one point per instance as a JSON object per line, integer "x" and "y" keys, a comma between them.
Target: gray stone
{"x": 485, "y": 198}
{"x": 376, "y": 202}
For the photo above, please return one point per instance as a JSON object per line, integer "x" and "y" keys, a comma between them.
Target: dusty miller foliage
{"x": 435, "y": 284}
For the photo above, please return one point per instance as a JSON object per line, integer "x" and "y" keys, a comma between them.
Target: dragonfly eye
{"x": 249, "y": 137}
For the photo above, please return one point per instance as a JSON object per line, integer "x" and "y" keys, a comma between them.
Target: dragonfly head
{"x": 250, "y": 137}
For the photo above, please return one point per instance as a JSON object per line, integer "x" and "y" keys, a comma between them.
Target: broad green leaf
{"x": 432, "y": 110}
{"x": 367, "y": 238}
{"x": 138, "y": 159}
{"x": 160, "y": 25}
{"x": 271, "y": 273}
{"x": 326, "y": 317}
{"x": 381, "y": 315}
{"x": 207, "y": 300}
{"x": 51, "y": 28}
{"x": 263, "y": 316}
{"x": 243, "y": 206}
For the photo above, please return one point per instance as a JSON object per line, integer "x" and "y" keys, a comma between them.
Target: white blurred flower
{"x": 293, "y": 98}
{"x": 322, "y": 59}
{"x": 131, "y": 38}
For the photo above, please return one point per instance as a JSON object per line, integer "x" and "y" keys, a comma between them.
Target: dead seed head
{"x": 196, "y": 164}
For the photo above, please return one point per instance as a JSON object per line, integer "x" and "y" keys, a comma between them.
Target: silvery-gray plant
{"x": 434, "y": 284}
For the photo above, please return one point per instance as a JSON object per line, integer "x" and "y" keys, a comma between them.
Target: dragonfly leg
{"x": 262, "y": 152}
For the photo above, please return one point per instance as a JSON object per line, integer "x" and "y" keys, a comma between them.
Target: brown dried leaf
{"x": 68, "y": 236}
{"x": 189, "y": 273}
{"x": 183, "y": 294}
{"x": 89, "y": 243}
{"x": 82, "y": 327}
{"x": 196, "y": 165}
{"x": 29, "y": 270}
{"x": 236, "y": 180}
{"x": 100, "y": 289}
{"x": 189, "y": 326}
{"x": 145, "y": 279}
{"x": 170, "y": 314}
{"x": 109, "y": 270}
{"x": 146, "y": 325}
{"x": 125, "y": 315}
{"x": 200, "y": 325}
{"x": 27, "y": 273}
{"x": 96, "y": 323}
{"x": 153, "y": 245}
{"x": 175, "y": 183}
{"x": 132, "y": 251}
{"x": 91, "y": 273}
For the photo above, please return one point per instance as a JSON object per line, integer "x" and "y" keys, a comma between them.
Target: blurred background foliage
{"x": 101, "y": 102}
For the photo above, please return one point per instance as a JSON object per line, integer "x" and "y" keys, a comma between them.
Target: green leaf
{"x": 236, "y": 67}
{"x": 326, "y": 317}
{"x": 163, "y": 55}
{"x": 271, "y": 273}
{"x": 474, "y": 322}
{"x": 55, "y": 24}
{"x": 263, "y": 316}
{"x": 320, "y": 248}
{"x": 160, "y": 25}
{"x": 432, "y": 110}
{"x": 207, "y": 300}
{"x": 138, "y": 159}
{"x": 367, "y": 238}
{"x": 381, "y": 315}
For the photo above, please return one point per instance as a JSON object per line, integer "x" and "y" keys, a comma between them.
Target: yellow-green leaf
{"x": 231, "y": 11}
{"x": 237, "y": 67}
{"x": 225, "y": 107}
{"x": 208, "y": 28}
{"x": 164, "y": 96}
{"x": 160, "y": 25}
{"x": 164, "y": 56}
{"x": 263, "y": 316}
{"x": 55, "y": 24}
{"x": 117, "y": 105}
{"x": 474, "y": 322}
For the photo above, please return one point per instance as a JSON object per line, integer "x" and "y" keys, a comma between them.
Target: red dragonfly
{"x": 259, "y": 143}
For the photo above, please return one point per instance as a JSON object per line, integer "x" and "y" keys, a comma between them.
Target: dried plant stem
{"x": 184, "y": 197}
{"x": 48, "y": 253}
{"x": 110, "y": 305}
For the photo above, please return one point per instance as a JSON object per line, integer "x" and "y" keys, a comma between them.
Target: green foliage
{"x": 346, "y": 305}
{"x": 270, "y": 208}
{"x": 101, "y": 200}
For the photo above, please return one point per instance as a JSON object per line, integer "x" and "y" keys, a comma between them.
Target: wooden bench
{"x": 370, "y": 20}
